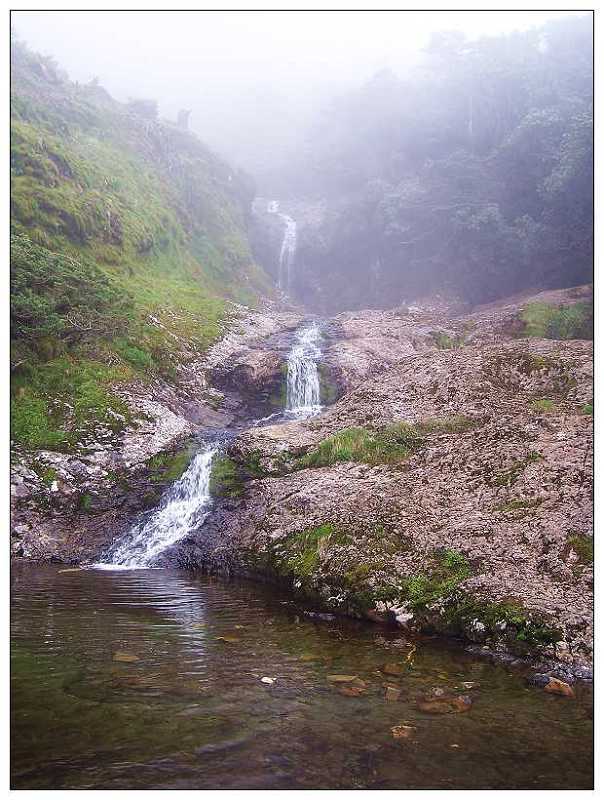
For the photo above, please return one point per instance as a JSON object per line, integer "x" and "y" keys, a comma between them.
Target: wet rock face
{"x": 258, "y": 378}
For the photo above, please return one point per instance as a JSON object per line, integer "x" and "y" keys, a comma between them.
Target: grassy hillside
{"x": 128, "y": 235}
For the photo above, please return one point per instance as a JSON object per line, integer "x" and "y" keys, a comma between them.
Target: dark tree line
{"x": 472, "y": 176}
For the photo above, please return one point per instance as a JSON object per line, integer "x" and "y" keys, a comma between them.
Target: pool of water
{"x": 153, "y": 679}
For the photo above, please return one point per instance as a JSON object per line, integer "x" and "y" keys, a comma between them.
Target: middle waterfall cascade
{"x": 303, "y": 385}
{"x": 288, "y": 246}
{"x": 184, "y": 507}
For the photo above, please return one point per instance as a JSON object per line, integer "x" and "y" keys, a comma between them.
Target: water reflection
{"x": 188, "y": 707}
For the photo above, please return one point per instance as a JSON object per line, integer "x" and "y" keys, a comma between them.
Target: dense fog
{"x": 413, "y": 151}
{"x": 253, "y": 80}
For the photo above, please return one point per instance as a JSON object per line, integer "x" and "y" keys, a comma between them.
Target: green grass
{"x": 543, "y": 406}
{"x": 116, "y": 260}
{"x": 445, "y": 342}
{"x": 583, "y": 546}
{"x": 558, "y": 322}
{"x": 518, "y": 505}
{"x": 588, "y": 408}
{"x": 390, "y": 445}
{"x": 57, "y": 402}
{"x": 299, "y": 555}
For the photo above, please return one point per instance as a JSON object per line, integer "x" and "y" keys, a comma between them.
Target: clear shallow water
{"x": 193, "y": 713}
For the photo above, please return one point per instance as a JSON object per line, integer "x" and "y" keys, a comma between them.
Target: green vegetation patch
{"x": 558, "y": 322}
{"x": 46, "y": 474}
{"x": 523, "y": 506}
{"x": 583, "y": 546}
{"x": 390, "y": 445}
{"x": 506, "y": 618}
{"x": 299, "y": 554}
{"x": 509, "y": 476}
{"x": 168, "y": 467}
{"x": 127, "y": 240}
{"x": 55, "y": 403}
{"x": 329, "y": 388}
{"x": 225, "y": 478}
{"x": 445, "y": 342}
{"x": 543, "y": 406}
{"x": 449, "y": 569}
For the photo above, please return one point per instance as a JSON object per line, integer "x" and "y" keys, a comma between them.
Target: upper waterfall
{"x": 287, "y": 254}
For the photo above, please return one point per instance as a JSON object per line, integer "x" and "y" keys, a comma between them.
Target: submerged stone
{"x": 445, "y": 705}
{"x": 122, "y": 655}
{"x": 394, "y": 669}
{"x": 351, "y": 691}
{"x": 556, "y": 686}
{"x": 402, "y": 731}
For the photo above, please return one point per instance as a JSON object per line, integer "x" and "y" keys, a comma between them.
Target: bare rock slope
{"x": 460, "y": 501}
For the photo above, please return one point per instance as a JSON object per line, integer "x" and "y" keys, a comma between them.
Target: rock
{"x": 229, "y": 639}
{"x": 392, "y": 693}
{"x": 402, "y": 731}
{"x": 127, "y": 658}
{"x": 384, "y": 617}
{"x": 351, "y": 691}
{"x": 555, "y": 686}
{"x": 445, "y": 705}
{"x": 394, "y": 668}
{"x": 538, "y": 679}
{"x": 470, "y": 685}
{"x": 268, "y": 680}
{"x": 341, "y": 678}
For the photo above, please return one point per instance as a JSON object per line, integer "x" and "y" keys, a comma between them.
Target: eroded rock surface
{"x": 481, "y": 530}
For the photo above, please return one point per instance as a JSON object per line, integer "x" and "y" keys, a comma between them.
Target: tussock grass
{"x": 390, "y": 445}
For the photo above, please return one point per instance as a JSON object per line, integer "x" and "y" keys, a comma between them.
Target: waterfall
{"x": 288, "y": 246}
{"x": 183, "y": 508}
{"x": 303, "y": 386}
{"x": 288, "y": 252}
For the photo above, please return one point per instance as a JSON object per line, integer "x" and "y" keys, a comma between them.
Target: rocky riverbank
{"x": 446, "y": 488}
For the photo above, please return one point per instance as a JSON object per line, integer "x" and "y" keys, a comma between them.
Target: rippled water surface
{"x": 193, "y": 712}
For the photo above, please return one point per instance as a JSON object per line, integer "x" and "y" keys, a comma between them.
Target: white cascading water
{"x": 303, "y": 385}
{"x": 288, "y": 252}
{"x": 288, "y": 246}
{"x": 184, "y": 508}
